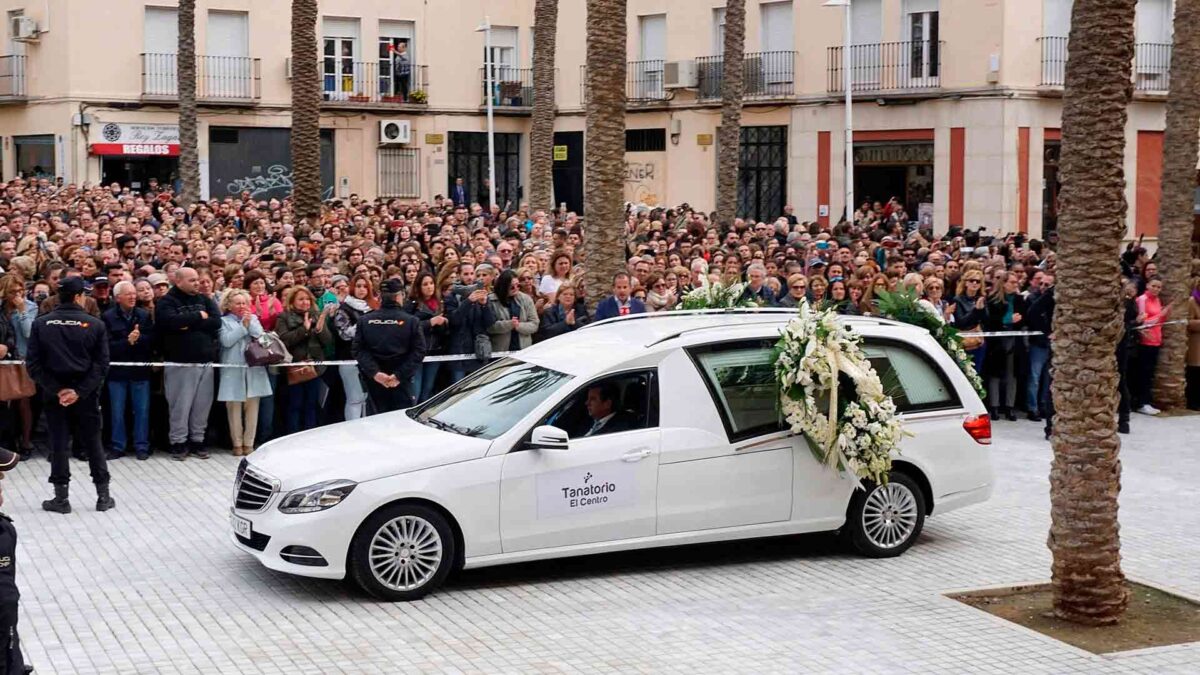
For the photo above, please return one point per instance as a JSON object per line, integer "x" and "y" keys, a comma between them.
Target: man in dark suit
{"x": 459, "y": 192}
{"x": 601, "y": 403}
{"x": 620, "y": 303}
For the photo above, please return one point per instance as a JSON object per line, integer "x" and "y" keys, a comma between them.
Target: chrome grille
{"x": 253, "y": 489}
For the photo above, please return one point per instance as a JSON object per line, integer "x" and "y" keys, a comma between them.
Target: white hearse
{"x": 641, "y": 431}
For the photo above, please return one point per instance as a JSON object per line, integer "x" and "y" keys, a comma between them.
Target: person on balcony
{"x": 402, "y": 69}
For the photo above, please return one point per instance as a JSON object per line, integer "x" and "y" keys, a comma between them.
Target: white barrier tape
{"x": 1004, "y": 333}
{"x": 1156, "y": 325}
{"x": 350, "y": 362}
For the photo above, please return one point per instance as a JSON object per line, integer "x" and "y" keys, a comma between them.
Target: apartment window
{"x": 160, "y": 42}
{"x": 921, "y": 26}
{"x": 35, "y": 156}
{"x": 652, "y": 37}
{"x": 226, "y": 70}
{"x": 645, "y": 140}
{"x": 341, "y": 77}
{"x": 397, "y": 59}
{"x": 777, "y": 27}
{"x": 399, "y": 172}
{"x": 718, "y": 23}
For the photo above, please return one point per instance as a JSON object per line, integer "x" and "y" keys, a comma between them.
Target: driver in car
{"x": 601, "y": 402}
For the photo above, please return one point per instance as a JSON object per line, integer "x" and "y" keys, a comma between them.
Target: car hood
{"x": 362, "y": 450}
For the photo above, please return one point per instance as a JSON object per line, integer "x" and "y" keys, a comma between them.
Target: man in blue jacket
{"x": 130, "y": 338}
{"x": 621, "y": 302}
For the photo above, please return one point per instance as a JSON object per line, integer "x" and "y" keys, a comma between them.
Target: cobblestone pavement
{"x": 156, "y": 587}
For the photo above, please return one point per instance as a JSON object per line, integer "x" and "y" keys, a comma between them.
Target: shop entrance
{"x": 135, "y": 172}
{"x": 900, "y": 170}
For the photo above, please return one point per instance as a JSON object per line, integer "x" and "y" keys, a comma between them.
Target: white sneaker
{"x": 1148, "y": 410}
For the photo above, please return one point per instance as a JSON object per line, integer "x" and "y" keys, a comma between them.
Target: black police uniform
{"x": 11, "y": 660}
{"x": 389, "y": 340}
{"x": 68, "y": 349}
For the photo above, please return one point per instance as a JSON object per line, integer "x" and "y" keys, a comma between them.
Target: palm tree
{"x": 185, "y": 69}
{"x": 1180, "y": 145}
{"x": 604, "y": 186}
{"x": 732, "y": 89}
{"x": 1085, "y": 475}
{"x": 306, "y": 112}
{"x": 541, "y": 134}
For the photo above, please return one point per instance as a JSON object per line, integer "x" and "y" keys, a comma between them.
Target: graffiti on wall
{"x": 643, "y": 178}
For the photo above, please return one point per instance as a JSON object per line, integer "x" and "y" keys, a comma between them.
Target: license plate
{"x": 241, "y": 526}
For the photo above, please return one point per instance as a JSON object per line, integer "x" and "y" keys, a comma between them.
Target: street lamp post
{"x": 847, "y": 84}
{"x": 490, "y": 84}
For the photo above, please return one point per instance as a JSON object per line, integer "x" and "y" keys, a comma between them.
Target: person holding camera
{"x": 470, "y": 316}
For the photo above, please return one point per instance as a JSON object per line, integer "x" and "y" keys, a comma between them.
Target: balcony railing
{"x": 764, "y": 74}
{"x": 511, "y": 87}
{"x": 886, "y": 66}
{"x": 1151, "y": 64}
{"x": 218, "y": 78}
{"x": 12, "y": 77}
{"x": 644, "y": 80}
{"x": 373, "y": 82}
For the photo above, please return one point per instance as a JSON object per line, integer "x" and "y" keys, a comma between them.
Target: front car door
{"x": 602, "y": 487}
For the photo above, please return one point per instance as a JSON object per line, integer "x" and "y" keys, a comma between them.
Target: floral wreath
{"x": 716, "y": 295}
{"x": 817, "y": 358}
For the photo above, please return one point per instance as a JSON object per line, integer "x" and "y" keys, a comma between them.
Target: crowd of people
{"x": 199, "y": 283}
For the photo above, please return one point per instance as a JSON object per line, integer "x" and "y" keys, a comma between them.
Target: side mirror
{"x": 547, "y": 437}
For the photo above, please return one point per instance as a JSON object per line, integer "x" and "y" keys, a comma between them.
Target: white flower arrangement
{"x": 854, "y": 432}
{"x": 716, "y": 295}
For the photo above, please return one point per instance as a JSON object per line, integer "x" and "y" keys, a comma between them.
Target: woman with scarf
{"x": 359, "y": 300}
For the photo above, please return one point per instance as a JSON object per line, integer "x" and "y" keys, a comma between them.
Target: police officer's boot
{"x": 104, "y": 501}
{"x": 60, "y": 503}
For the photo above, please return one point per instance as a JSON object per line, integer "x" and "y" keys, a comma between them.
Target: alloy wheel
{"x": 889, "y": 515}
{"x": 405, "y": 553}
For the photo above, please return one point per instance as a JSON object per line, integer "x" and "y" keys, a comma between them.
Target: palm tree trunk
{"x": 732, "y": 89}
{"x": 306, "y": 113}
{"x": 541, "y": 134}
{"x": 1180, "y": 144}
{"x": 185, "y": 69}
{"x": 604, "y": 186}
{"x": 1085, "y": 475}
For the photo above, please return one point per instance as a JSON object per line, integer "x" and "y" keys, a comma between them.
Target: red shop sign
{"x": 147, "y": 149}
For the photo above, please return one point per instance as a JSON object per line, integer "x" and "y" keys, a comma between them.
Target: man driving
{"x": 601, "y": 403}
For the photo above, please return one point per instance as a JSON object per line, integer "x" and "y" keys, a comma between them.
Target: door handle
{"x": 637, "y": 454}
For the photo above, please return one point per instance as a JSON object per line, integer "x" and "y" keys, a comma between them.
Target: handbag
{"x": 301, "y": 374}
{"x": 972, "y": 343}
{"x": 259, "y": 351}
{"x": 15, "y": 383}
{"x": 483, "y": 347}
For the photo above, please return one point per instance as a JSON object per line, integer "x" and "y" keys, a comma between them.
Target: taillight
{"x": 980, "y": 428}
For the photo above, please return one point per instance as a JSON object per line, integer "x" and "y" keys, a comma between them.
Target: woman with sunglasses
{"x": 658, "y": 297}
{"x": 970, "y": 313}
{"x": 1006, "y": 310}
{"x": 797, "y": 291}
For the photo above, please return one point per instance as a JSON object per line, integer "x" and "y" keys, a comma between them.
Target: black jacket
{"x": 8, "y": 561}
{"x": 554, "y": 321}
{"x": 435, "y": 336}
{"x": 68, "y": 349}
{"x": 467, "y": 319}
{"x": 389, "y": 340}
{"x": 119, "y": 327}
{"x": 185, "y": 336}
{"x": 996, "y": 309}
{"x": 1040, "y": 317}
{"x": 966, "y": 316}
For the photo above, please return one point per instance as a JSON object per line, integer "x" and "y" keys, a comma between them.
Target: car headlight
{"x": 317, "y": 497}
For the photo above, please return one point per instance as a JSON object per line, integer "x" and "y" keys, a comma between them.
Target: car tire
{"x": 413, "y": 549}
{"x": 882, "y": 521}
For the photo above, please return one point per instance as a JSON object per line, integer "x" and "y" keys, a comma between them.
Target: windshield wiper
{"x": 451, "y": 427}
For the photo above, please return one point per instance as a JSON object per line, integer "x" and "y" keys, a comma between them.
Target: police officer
{"x": 389, "y": 347}
{"x": 11, "y": 660}
{"x": 67, "y": 357}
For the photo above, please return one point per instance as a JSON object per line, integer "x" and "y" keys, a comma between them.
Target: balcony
{"x": 886, "y": 67}
{"x": 219, "y": 79}
{"x": 1151, "y": 64}
{"x": 643, "y": 82}
{"x": 765, "y": 75}
{"x": 511, "y": 87}
{"x": 372, "y": 83}
{"x": 12, "y": 78}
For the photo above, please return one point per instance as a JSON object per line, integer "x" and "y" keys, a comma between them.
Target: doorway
{"x": 469, "y": 160}
{"x": 762, "y": 172}
{"x": 568, "y": 173}
{"x": 136, "y": 172}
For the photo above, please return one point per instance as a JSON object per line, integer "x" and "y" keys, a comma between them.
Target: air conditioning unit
{"x": 395, "y": 132}
{"x": 680, "y": 75}
{"x": 287, "y": 67}
{"x": 23, "y": 29}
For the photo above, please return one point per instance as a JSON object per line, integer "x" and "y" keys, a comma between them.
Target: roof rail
{"x": 693, "y": 312}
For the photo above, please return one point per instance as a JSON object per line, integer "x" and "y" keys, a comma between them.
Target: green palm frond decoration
{"x": 904, "y": 306}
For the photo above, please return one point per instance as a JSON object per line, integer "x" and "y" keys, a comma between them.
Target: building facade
{"x": 957, "y": 105}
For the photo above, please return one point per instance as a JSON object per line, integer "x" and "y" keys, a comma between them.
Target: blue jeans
{"x": 423, "y": 380}
{"x": 138, "y": 392}
{"x": 304, "y": 400}
{"x": 1039, "y": 380}
{"x": 977, "y": 357}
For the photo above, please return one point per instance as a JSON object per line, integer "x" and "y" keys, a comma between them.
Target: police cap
{"x": 70, "y": 287}
{"x": 392, "y": 286}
